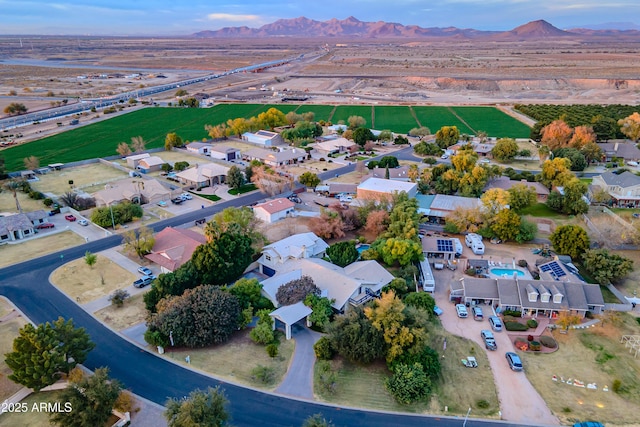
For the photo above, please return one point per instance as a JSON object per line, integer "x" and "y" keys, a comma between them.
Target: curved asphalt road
{"x": 27, "y": 286}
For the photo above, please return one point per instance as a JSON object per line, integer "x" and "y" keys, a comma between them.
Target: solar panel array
{"x": 444, "y": 245}
{"x": 554, "y": 268}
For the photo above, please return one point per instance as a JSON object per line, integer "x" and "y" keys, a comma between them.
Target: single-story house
{"x": 224, "y": 152}
{"x": 132, "y": 161}
{"x": 438, "y": 207}
{"x": 133, "y": 190}
{"x": 354, "y": 284}
{"x": 203, "y": 148}
{"x": 624, "y": 150}
{"x": 302, "y": 245}
{"x": 263, "y": 137}
{"x": 206, "y": 175}
{"x": 624, "y": 188}
{"x": 395, "y": 174}
{"x": 274, "y": 210}
{"x": 542, "y": 192}
{"x": 379, "y": 189}
{"x": 440, "y": 248}
{"x": 276, "y": 158}
{"x": 531, "y": 297}
{"x": 21, "y": 225}
{"x": 174, "y": 247}
{"x": 150, "y": 164}
{"x": 334, "y": 145}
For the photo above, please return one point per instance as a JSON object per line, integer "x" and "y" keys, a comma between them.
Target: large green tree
{"x": 139, "y": 241}
{"x": 505, "y": 149}
{"x": 570, "y": 240}
{"x": 172, "y": 140}
{"x": 235, "y": 177}
{"x": 353, "y": 337}
{"x": 91, "y": 401}
{"x": 235, "y": 221}
{"x": 201, "y": 408}
{"x": 521, "y": 196}
{"x": 606, "y": 267}
{"x": 446, "y": 136}
{"x": 223, "y": 260}
{"x": 200, "y": 317}
{"x": 362, "y": 135}
{"x": 343, "y": 253}
{"x": 272, "y": 118}
{"x": 409, "y": 383}
{"x": 309, "y": 179}
{"x": 248, "y": 292}
{"x": 42, "y": 354}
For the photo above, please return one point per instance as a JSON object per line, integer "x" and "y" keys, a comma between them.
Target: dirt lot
{"x": 131, "y": 313}
{"x": 8, "y": 203}
{"x": 285, "y": 228}
{"x": 95, "y": 174}
{"x": 84, "y": 283}
{"x": 9, "y": 328}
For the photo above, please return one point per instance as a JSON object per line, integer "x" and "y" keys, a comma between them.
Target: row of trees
{"x": 269, "y": 119}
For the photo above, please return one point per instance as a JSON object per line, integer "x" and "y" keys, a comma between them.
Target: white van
{"x": 458, "y": 245}
{"x": 477, "y": 247}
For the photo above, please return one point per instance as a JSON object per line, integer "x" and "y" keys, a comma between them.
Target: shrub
{"x": 523, "y": 263}
{"x": 529, "y": 338}
{"x": 514, "y": 313}
{"x": 263, "y": 374}
{"x": 326, "y": 377}
{"x": 272, "y": 349}
{"x": 616, "y": 386}
{"x": 548, "y": 341}
{"x": 408, "y": 383}
{"x": 567, "y": 410}
{"x": 118, "y": 297}
{"x": 47, "y": 202}
{"x": 470, "y": 271}
{"x": 482, "y": 404}
{"x": 296, "y": 290}
{"x": 532, "y": 323}
{"x": 515, "y": 326}
{"x": 323, "y": 349}
{"x": 534, "y": 346}
{"x": 262, "y": 333}
{"x": 638, "y": 320}
{"x": 156, "y": 338}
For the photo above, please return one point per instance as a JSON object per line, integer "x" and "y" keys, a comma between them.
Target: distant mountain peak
{"x": 539, "y": 28}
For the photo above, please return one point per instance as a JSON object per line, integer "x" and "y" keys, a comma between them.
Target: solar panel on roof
{"x": 545, "y": 267}
{"x": 554, "y": 268}
{"x": 444, "y": 245}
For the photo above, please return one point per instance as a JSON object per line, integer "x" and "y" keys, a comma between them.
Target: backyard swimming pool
{"x": 506, "y": 272}
{"x": 362, "y": 248}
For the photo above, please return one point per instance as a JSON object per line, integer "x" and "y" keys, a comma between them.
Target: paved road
{"x": 27, "y": 286}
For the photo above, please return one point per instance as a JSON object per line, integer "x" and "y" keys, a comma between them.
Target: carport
{"x": 290, "y": 314}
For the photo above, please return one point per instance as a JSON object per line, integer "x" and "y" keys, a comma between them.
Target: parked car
{"x": 44, "y": 225}
{"x": 162, "y": 203}
{"x": 496, "y": 323}
{"x": 438, "y": 311}
{"x": 177, "y": 201}
{"x": 145, "y": 271}
{"x": 70, "y": 218}
{"x": 489, "y": 340}
{"x": 83, "y": 222}
{"x": 495, "y": 241}
{"x": 484, "y": 160}
{"x": 461, "y": 310}
{"x": 186, "y": 196}
{"x": 444, "y": 156}
{"x": 477, "y": 313}
{"x": 514, "y": 361}
{"x": 144, "y": 281}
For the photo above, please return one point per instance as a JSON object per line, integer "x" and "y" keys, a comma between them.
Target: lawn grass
{"x": 235, "y": 359}
{"x": 12, "y": 254}
{"x": 211, "y": 197}
{"x": 586, "y": 180}
{"x": 8, "y": 203}
{"x": 594, "y": 355}
{"x": 31, "y": 418}
{"x": 244, "y": 189}
{"x": 398, "y": 118}
{"x": 540, "y": 210}
{"x": 83, "y": 177}
{"x": 492, "y": 121}
{"x": 363, "y": 386}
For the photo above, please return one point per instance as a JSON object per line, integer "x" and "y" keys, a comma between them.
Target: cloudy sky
{"x": 182, "y": 17}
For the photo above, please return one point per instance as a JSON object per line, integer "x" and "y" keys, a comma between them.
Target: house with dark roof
{"x": 623, "y": 188}
{"x": 542, "y": 192}
{"x": 531, "y": 297}
{"x": 623, "y": 150}
{"x": 173, "y": 247}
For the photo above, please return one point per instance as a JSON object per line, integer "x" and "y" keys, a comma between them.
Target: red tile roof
{"x": 277, "y": 205}
{"x": 174, "y": 246}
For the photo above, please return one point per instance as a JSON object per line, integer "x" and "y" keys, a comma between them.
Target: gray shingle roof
{"x": 625, "y": 179}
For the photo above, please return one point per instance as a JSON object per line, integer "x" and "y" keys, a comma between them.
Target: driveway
{"x": 519, "y": 400}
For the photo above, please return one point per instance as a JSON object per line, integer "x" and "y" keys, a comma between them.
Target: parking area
{"x": 519, "y": 400}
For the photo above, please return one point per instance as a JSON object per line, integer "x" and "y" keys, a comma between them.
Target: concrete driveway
{"x": 519, "y": 400}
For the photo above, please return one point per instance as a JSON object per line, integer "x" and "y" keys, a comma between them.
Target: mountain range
{"x": 352, "y": 27}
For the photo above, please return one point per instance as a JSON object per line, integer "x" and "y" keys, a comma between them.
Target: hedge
{"x": 515, "y": 326}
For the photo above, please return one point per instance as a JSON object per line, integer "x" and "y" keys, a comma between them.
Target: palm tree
{"x": 13, "y": 185}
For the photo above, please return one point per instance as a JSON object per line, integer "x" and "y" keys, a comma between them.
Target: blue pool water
{"x": 362, "y": 248}
{"x": 506, "y": 272}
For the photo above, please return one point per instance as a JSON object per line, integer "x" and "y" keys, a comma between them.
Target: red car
{"x": 70, "y": 218}
{"x": 45, "y": 225}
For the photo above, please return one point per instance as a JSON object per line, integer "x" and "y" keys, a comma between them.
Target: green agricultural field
{"x": 436, "y": 117}
{"x": 322, "y": 112}
{"x": 398, "y": 119}
{"x": 493, "y": 121}
{"x": 343, "y": 112}
{"x": 101, "y": 139}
